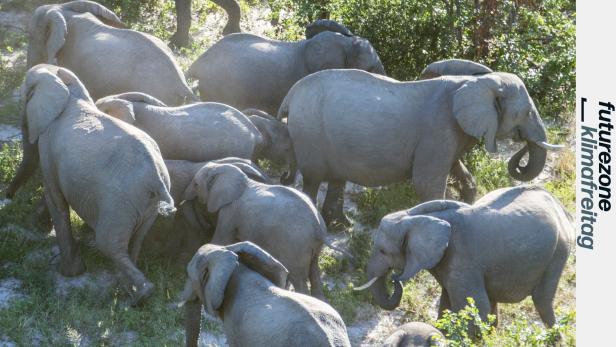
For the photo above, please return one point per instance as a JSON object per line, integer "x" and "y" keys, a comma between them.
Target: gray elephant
{"x": 454, "y": 67}
{"x": 202, "y": 131}
{"x": 193, "y": 225}
{"x": 415, "y": 334}
{"x": 90, "y": 40}
{"x": 245, "y": 70}
{"x": 245, "y": 286}
{"x": 110, "y": 173}
{"x": 181, "y": 37}
{"x": 512, "y": 243}
{"x": 280, "y": 219}
{"x": 351, "y": 125}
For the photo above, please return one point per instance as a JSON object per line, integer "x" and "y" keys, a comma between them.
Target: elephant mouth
{"x": 380, "y": 293}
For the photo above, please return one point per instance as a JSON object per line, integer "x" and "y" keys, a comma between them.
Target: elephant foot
{"x": 141, "y": 294}
{"x": 179, "y": 40}
{"x": 72, "y": 267}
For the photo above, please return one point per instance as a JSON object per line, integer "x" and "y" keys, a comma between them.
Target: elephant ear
{"x": 46, "y": 97}
{"x": 326, "y": 50}
{"x": 223, "y": 184}
{"x": 104, "y": 14}
{"x": 476, "y": 108}
{"x": 56, "y": 34}
{"x": 117, "y": 108}
{"x": 425, "y": 241}
{"x": 221, "y": 264}
{"x": 253, "y": 172}
{"x": 260, "y": 261}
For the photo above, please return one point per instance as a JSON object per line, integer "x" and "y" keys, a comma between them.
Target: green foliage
{"x": 374, "y": 203}
{"x": 490, "y": 173}
{"x": 464, "y": 327}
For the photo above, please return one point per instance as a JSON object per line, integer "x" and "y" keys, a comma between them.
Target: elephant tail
{"x": 283, "y": 111}
{"x": 166, "y": 206}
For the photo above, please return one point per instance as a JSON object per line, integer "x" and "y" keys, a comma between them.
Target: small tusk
{"x": 551, "y": 147}
{"x": 367, "y": 284}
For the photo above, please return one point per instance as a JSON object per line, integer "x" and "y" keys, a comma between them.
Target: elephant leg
{"x": 142, "y": 230}
{"x": 29, "y": 164}
{"x": 543, "y": 294}
{"x": 429, "y": 179}
{"x": 311, "y": 188}
{"x": 458, "y": 292}
{"x": 466, "y": 182}
{"x": 181, "y": 38}
{"x": 444, "y": 303}
{"x": 299, "y": 282}
{"x": 316, "y": 287}
{"x": 112, "y": 238}
{"x": 71, "y": 263}
{"x": 192, "y": 322}
{"x": 225, "y": 229}
{"x": 333, "y": 213}
{"x": 494, "y": 312}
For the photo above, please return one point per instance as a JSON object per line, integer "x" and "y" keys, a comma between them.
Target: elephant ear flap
{"x": 426, "y": 239}
{"x": 56, "y": 34}
{"x": 226, "y": 183}
{"x": 46, "y": 97}
{"x": 475, "y": 107}
{"x": 221, "y": 264}
{"x": 260, "y": 261}
{"x": 252, "y": 172}
{"x": 117, "y": 108}
{"x": 325, "y": 51}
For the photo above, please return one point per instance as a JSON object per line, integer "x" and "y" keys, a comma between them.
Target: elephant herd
{"x": 120, "y": 138}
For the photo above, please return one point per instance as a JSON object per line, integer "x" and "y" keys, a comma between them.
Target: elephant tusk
{"x": 367, "y": 284}
{"x": 550, "y": 147}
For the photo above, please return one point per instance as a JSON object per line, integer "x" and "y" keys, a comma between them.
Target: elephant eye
{"x": 382, "y": 251}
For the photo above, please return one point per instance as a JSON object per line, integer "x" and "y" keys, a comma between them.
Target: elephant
{"x": 193, "y": 225}
{"x": 202, "y": 131}
{"x": 249, "y": 71}
{"x": 181, "y": 37}
{"x": 453, "y": 67}
{"x": 110, "y": 173}
{"x": 280, "y": 219}
{"x": 415, "y": 334}
{"x": 351, "y": 125}
{"x": 245, "y": 286}
{"x": 90, "y": 40}
{"x": 512, "y": 243}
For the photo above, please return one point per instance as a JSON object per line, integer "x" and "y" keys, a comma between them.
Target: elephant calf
{"x": 510, "y": 244}
{"x": 110, "y": 173}
{"x": 415, "y": 334}
{"x": 280, "y": 219}
{"x": 202, "y": 131}
{"x": 245, "y": 286}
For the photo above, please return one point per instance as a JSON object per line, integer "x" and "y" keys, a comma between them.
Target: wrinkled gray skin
{"x": 245, "y": 287}
{"x": 110, "y": 173}
{"x": 415, "y": 334}
{"x": 71, "y": 35}
{"x": 202, "y": 131}
{"x": 181, "y": 37}
{"x": 280, "y": 219}
{"x": 350, "y": 125}
{"x": 193, "y": 225}
{"x": 245, "y": 70}
{"x": 510, "y": 244}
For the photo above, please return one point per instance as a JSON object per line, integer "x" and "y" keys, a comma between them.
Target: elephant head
{"x": 217, "y": 185}
{"x": 248, "y": 167}
{"x": 121, "y": 105}
{"x": 209, "y": 273}
{"x": 454, "y": 67}
{"x": 329, "y": 45}
{"x": 48, "y": 29}
{"x": 276, "y": 145}
{"x": 496, "y": 106}
{"x": 408, "y": 243}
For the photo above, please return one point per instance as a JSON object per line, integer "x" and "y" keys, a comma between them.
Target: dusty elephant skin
{"x": 110, "y": 173}
{"x": 415, "y": 334}
{"x": 512, "y": 243}
{"x": 69, "y": 35}
{"x": 181, "y": 37}
{"x": 350, "y": 125}
{"x": 245, "y": 70}
{"x": 277, "y": 218}
{"x": 245, "y": 286}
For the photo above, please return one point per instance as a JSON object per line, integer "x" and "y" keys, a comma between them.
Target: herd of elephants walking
{"x": 121, "y": 138}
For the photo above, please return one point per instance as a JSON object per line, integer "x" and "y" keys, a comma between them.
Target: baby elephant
{"x": 202, "y": 131}
{"x": 510, "y": 244}
{"x": 280, "y": 219}
{"x": 415, "y": 334}
{"x": 245, "y": 286}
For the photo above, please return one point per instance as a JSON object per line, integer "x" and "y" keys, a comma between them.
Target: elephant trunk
{"x": 192, "y": 322}
{"x": 536, "y": 160}
{"x": 29, "y": 160}
{"x": 234, "y": 14}
{"x": 288, "y": 177}
{"x": 381, "y": 295}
